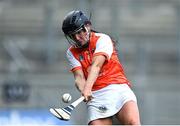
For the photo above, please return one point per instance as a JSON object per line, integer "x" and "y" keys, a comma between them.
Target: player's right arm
{"x": 79, "y": 79}
{"x": 75, "y": 67}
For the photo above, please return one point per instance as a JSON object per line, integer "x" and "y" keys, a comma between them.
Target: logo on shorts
{"x": 102, "y": 109}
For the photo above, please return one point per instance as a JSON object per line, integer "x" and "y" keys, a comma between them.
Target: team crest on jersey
{"x": 92, "y": 51}
{"x": 81, "y": 58}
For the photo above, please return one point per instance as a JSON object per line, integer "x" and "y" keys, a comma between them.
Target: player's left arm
{"x": 103, "y": 52}
{"x": 97, "y": 63}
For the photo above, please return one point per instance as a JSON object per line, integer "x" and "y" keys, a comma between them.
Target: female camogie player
{"x": 98, "y": 73}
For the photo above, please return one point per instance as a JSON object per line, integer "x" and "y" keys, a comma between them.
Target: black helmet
{"x": 74, "y": 21}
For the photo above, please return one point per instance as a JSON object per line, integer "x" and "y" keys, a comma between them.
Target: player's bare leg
{"x": 129, "y": 114}
{"x": 104, "y": 121}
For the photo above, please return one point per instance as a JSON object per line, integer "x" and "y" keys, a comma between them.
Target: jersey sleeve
{"x": 73, "y": 62}
{"x": 104, "y": 46}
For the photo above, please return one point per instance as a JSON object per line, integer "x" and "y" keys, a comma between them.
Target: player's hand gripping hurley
{"x": 65, "y": 113}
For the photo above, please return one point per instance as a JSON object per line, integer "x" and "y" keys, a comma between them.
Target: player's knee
{"x": 133, "y": 121}
{"x": 105, "y": 121}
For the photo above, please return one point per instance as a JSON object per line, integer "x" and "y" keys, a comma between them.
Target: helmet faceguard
{"x": 74, "y": 22}
{"x": 71, "y": 37}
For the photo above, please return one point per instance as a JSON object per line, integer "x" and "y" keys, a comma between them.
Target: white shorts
{"x": 108, "y": 101}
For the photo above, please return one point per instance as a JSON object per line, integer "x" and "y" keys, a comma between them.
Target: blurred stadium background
{"x": 34, "y": 72}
